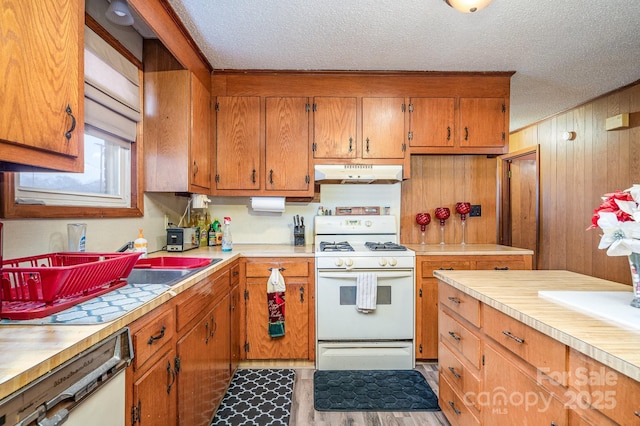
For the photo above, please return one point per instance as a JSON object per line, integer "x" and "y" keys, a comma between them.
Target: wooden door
{"x": 287, "y": 159}
{"x": 295, "y": 343}
{"x": 42, "y": 53}
{"x": 334, "y": 127}
{"x": 154, "y": 394}
{"x": 199, "y": 151}
{"x": 431, "y": 122}
{"x": 383, "y": 128}
{"x": 237, "y": 143}
{"x": 482, "y": 122}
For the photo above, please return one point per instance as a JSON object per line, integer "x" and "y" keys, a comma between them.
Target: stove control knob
{"x": 368, "y": 223}
{"x": 382, "y": 261}
{"x": 339, "y": 261}
{"x": 349, "y": 262}
{"x": 393, "y": 261}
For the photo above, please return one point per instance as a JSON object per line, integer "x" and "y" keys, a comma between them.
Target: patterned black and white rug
{"x": 257, "y": 397}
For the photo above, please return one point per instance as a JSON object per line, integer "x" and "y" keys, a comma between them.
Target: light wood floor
{"x": 303, "y": 414}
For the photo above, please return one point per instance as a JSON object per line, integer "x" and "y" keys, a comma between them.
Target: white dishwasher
{"x": 89, "y": 389}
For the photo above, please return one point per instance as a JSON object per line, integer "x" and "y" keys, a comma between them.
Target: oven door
{"x": 338, "y": 319}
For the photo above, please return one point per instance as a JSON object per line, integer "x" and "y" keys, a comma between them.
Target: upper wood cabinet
{"x": 483, "y": 122}
{"x": 334, "y": 127}
{"x": 41, "y": 90}
{"x": 431, "y": 122}
{"x": 383, "y": 128}
{"x": 177, "y": 126}
{"x": 287, "y": 148}
{"x": 238, "y": 162}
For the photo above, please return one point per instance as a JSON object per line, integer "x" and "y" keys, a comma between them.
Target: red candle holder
{"x": 443, "y": 214}
{"x": 423, "y": 219}
{"x": 463, "y": 209}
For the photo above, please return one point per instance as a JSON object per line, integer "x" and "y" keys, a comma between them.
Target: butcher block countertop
{"x": 465, "y": 250}
{"x": 515, "y": 293}
{"x": 30, "y": 351}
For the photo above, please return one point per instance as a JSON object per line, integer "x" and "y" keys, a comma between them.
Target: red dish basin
{"x": 169, "y": 262}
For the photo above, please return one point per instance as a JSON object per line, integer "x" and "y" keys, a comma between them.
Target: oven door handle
{"x": 353, "y": 274}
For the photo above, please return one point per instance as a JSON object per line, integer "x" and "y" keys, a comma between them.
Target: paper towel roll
{"x": 267, "y": 204}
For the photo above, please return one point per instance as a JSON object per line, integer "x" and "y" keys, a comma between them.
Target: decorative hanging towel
{"x": 366, "y": 292}
{"x": 275, "y": 301}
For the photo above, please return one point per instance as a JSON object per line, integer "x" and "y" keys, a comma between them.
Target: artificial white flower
{"x": 621, "y": 238}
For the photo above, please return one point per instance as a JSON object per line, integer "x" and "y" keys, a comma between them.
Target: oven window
{"x": 348, "y": 295}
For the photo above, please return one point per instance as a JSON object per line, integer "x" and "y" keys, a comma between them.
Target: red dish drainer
{"x": 38, "y": 286}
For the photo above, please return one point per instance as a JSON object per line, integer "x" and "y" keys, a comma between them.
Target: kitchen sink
{"x": 175, "y": 262}
{"x": 162, "y": 274}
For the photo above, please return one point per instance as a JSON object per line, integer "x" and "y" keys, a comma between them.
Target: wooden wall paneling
{"x": 447, "y": 199}
{"x": 600, "y": 185}
{"x": 410, "y": 189}
{"x": 584, "y": 120}
{"x": 576, "y": 237}
{"x": 546, "y": 206}
{"x": 563, "y": 207}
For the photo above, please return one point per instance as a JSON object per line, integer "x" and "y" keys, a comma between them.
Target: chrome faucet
{"x": 127, "y": 247}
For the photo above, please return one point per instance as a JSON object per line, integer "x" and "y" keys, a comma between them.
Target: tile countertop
{"x": 467, "y": 249}
{"x": 515, "y": 293}
{"x": 30, "y": 351}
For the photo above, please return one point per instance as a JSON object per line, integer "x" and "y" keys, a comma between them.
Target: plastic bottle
{"x": 140, "y": 244}
{"x": 204, "y": 229}
{"x": 227, "y": 241}
{"x": 211, "y": 238}
{"x": 218, "y": 228}
{"x": 213, "y": 231}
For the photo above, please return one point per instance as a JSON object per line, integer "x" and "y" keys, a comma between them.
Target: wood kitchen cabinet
{"x": 383, "y": 133}
{"x": 238, "y": 163}
{"x": 432, "y": 122}
{"x": 236, "y": 326}
{"x": 427, "y": 290}
{"x": 42, "y": 88}
{"x": 177, "y": 125}
{"x": 287, "y": 148}
{"x": 299, "y": 339}
{"x": 334, "y": 127}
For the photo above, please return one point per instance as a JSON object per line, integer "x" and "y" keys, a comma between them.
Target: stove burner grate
{"x": 384, "y": 246}
{"x": 341, "y": 246}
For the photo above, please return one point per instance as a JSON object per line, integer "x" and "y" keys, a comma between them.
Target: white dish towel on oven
{"x": 366, "y": 292}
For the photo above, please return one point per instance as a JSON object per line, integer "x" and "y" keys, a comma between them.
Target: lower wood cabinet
{"x": 427, "y": 290}
{"x": 299, "y": 339}
{"x": 183, "y": 357}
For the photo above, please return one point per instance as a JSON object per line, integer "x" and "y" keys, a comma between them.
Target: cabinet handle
{"x": 511, "y": 336}
{"x": 271, "y": 176}
{"x": 445, "y": 269}
{"x": 448, "y": 133}
{"x": 497, "y": 268}
{"x": 172, "y": 374}
{"x": 453, "y": 407}
{"x": 301, "y": 294}
{"x": 367, "y": 144}
{"x": 195, "y": 168}
{"x": 350, "y": 144}
{"x": 207, "y": 332}
{"x": 454, "y": 300}
{"x": 235, "y": 273}
{"x": 73, "y": 122}
{"x": 158, "y": 337}
{"x": 455, "y": 336}
{"x": 453, "y": 371}
{"x": 214, "y": 326}
{"x": 636, "y": 413}
{"x": 253, "y": 176}
{"x": 466, "y": 133}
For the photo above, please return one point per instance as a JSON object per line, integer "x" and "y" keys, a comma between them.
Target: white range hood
{"x": 358, "y": 173}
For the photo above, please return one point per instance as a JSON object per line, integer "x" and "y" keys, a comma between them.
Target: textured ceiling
{"x": 564, "y": 52}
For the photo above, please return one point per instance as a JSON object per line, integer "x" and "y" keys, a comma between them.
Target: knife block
{"x": 298, "y": 236}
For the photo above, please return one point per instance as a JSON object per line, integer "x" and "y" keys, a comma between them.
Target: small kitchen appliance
{"x": 183, "y": 239}
{"x": 349, "y": 249}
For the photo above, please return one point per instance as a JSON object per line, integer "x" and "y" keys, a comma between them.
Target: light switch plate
{"x": 476, "y": 210}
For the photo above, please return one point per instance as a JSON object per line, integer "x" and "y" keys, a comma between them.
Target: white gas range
{"x": 349, "y": 251}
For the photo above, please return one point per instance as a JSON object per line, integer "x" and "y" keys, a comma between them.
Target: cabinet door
{"x": 287, "y": 161}
{"x": 295, "y": 343}
{"x": 431, "y": 121}
{"x": 427, "y": 320}
{"x": 383, "y": 128}
{"x": 220, "y": 342}
{"x": 482, "y": 122}
{"x": 154, "y": 394}
{"x": 199, "y": 151}
{"x": 236, "y": 332}
{"x": 42, "y": 53}
{"x": 237, "y": 143}
{"x": 334, "y": 127}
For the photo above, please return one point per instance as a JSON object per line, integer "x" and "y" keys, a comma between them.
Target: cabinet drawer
{"x": 193, "y": 303}
{"x": 235, "y": 274}
{"x": 153, "y": 334}
{"x": 457, "y": 412}
{"x": 457, "y": 336}
{"x": 458, "y": 375}
{"x": 291, "y": 268}
{"x": 460, "y": 303}
{"x": 428, "y": 266}
{"x": 543, "y": 352}
{"x": 500, "y": 263}
{"x": 604, "y": 389}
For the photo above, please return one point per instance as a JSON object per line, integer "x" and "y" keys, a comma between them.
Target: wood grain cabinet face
{"x": 432, "y": 122}
{"x": 237, "y": 159}
{"x": 482, "y": 122}
{"x": 42, "y": 79}
{"x": 334, "y": 127}
{"x": 383, "y": 134}
{"x": 154, "y": 394}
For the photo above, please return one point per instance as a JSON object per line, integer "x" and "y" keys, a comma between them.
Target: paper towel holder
{"x": 268, "y": 204}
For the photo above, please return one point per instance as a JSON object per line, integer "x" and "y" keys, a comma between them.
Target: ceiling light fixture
{"x": 119, "y": 13}
{"x": 468, "y": 6}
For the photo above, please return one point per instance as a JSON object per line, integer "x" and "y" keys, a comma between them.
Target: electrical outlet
{"x": 476, "y": 210}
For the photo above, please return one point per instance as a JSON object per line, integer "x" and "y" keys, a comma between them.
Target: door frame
{"x": 504, "y": 199}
